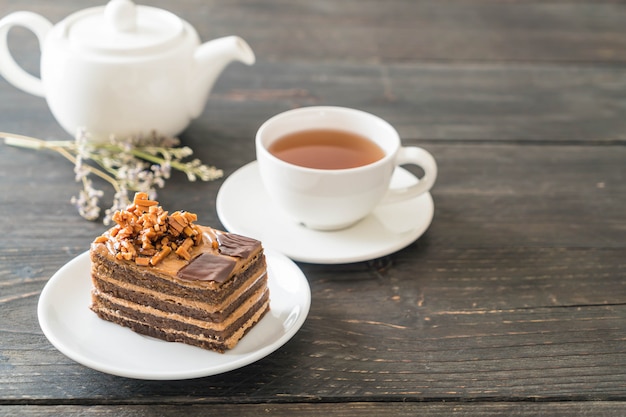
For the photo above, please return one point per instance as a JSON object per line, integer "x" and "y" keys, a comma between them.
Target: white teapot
{"x": 121, "y": 69}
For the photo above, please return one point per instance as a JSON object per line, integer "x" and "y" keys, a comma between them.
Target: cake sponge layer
{"x": 219, "y": 343}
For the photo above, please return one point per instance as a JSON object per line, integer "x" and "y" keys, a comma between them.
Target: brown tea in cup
{"x": 326, "y": 149}
{"x": 334, "y": 197}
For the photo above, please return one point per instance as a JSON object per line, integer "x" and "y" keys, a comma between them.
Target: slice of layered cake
{"x": 161, "y": 275}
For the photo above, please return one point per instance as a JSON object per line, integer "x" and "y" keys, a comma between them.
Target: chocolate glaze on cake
{"x": 236, "y": 245}
{"x": 209, "y": 294}
{"x": 207, "y": 267}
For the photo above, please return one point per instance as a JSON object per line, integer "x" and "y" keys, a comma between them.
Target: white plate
{"x": 77, "y": 332}
{"x": 244, "y": 207}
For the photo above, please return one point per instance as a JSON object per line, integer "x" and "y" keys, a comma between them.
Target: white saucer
{"x": 244, "y": 207}
{"x": 77, "y": 332}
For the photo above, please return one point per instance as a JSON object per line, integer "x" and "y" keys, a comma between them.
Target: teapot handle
{"x": 13, "y": 73}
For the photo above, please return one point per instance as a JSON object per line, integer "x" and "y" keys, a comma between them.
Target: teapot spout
{"x": 210, "y": 59}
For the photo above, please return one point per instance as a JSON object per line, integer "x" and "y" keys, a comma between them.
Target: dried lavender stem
{"x": 22, "y": 141}
{"x": 57, "y": 146}
{"x": 33, "y": 143}
{"x": 128, "y": 164}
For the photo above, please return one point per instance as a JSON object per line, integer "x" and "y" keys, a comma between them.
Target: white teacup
{"x": 330, "y": 199}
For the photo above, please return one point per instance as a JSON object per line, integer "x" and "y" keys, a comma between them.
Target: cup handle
{"x": 414, "y": 156}
{"x": 13, "y": 73}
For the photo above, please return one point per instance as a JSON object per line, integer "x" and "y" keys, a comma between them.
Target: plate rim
{"x": 307, "y": 258}
{"x": 273, "y": 259}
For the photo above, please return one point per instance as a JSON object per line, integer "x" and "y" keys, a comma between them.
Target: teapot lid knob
{"x": 121, "y": 27}
{"x": 121, "y": 15}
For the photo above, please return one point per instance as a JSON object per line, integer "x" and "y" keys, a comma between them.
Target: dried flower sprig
{"x": 133, "y": 164}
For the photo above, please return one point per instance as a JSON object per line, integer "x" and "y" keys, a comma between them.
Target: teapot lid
{"x": 122, "y": 26}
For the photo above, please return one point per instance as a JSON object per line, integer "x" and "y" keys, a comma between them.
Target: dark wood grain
{"x": 568, "y": 196}
{"x": 470, "y": 103}
{"x": 465, "y": 312}
{"x": 512, "y": 303}
{"x": 404, "y": 30}
{"x": 342, "y": 410}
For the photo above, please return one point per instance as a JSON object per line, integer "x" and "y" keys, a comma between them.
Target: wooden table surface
{"x": 512, "y": 303}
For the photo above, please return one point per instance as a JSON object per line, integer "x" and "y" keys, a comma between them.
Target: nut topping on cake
{"x": 147, "y": 234}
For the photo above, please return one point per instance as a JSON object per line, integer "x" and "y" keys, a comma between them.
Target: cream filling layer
{"x": 211, "y": 308}
{"x": 218, "y": 327}
{"x": 229, "y": 343}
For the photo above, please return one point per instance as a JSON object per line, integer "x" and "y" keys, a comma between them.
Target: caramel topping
{"x": 146, "y": 233}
